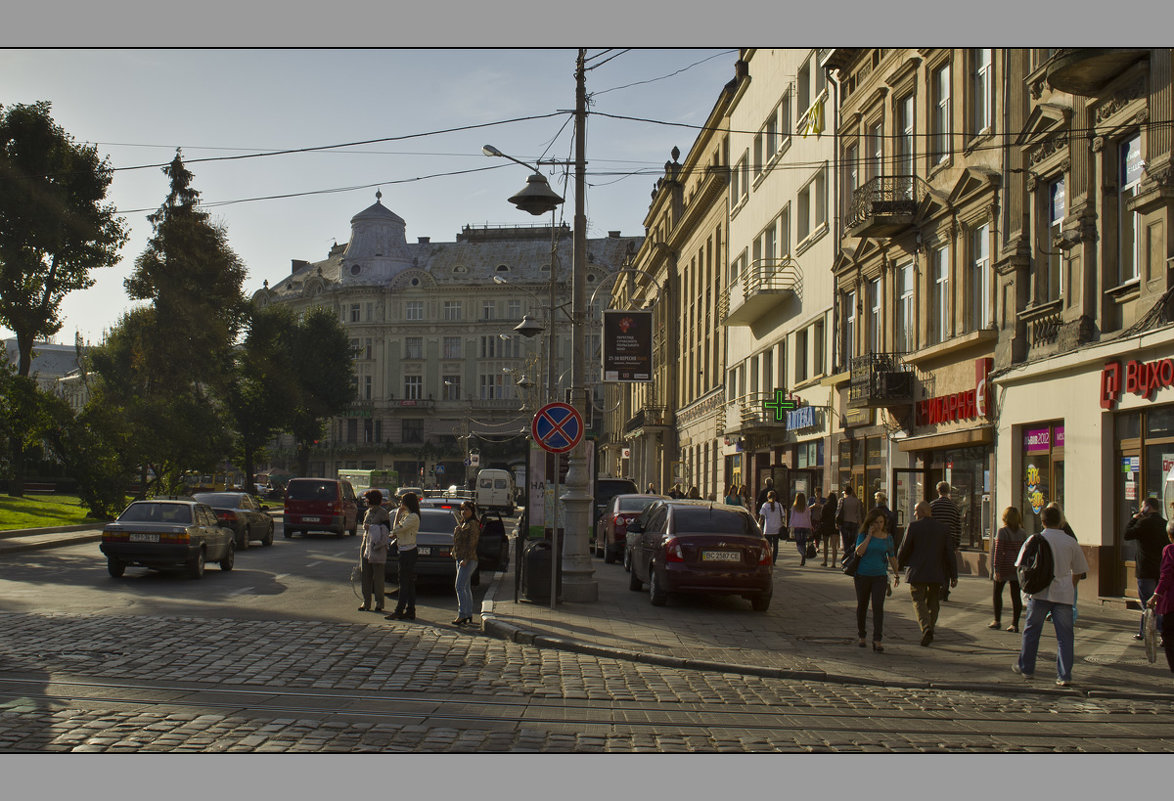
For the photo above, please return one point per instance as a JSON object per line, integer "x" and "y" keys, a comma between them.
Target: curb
{"x": 18, "y": 547}
{"x": 25, "y": 532}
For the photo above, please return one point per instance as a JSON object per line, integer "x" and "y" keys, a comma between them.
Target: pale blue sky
{"x": 139, "y": 105}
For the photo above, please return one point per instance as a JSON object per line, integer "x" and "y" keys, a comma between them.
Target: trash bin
{"x": 536, "y": 572}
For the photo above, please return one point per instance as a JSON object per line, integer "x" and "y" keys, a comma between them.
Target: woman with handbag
{"x": 770, "y": 517}
{"x": 373, "y": 549}
{"x": 801, "y": 525}
{"x": 464, "y": 550}
{"x": 874, "y": 549}
{"x": 403, "y": 534}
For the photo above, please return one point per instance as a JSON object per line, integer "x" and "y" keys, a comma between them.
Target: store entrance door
{"x": 1128, "y": 491}
{"x": 909, "y": 490}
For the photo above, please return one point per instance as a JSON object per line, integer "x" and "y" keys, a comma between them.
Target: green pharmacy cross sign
{"x": 780, "y": 405}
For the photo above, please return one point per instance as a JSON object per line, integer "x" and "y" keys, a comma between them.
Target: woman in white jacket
{"x": 403, "y": 534}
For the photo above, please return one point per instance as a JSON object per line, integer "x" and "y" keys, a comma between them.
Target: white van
{"x": 495, "y": 490}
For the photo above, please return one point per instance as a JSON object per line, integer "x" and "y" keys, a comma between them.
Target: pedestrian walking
{"x": 1057, "y": 599}
{"x": 675, "y": 493}
{"x": 946, "y": 510}
{"x": 767, "y": 487}
{"x": 650, "y": 489}
{"x": 827, "y": 528}
{"x": 373, "y": 550}
{"x": 1147, "y": 528}
{"x": 881, "y": 501}
{"x": 874, "y": 546}
{"x": 1067, "y": 529}
{"x": 1162, "y": 598}
{"x": 770, "y": 517}
{"x": 1005, "y": 550}
{"x": 732, "y": 497}
{"x": 800, "y": 525}
{"x": 744, "y": 496}
{"x": 403, "y": 534}
{"x": 926, "y": 552}
{"x": 464, "y": 551}
{"x": 848, "y": 515}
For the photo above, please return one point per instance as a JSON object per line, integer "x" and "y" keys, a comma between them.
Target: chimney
{"x": 424, "y": 240}
{"x": 614, "y": 234}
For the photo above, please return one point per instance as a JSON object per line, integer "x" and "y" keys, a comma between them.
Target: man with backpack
{"x": 1053, "y": 552}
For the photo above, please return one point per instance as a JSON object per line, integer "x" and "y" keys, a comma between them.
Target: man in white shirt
{"x": 1068, "y": 564}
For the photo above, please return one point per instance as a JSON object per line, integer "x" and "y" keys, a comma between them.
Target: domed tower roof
{"x": 378, "y": 212}
{"x": 378, "y": 243}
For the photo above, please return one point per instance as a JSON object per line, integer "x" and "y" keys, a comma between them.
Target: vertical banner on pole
{"x": 537, "y": 492}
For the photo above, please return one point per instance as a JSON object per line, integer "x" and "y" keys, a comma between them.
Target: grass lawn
{"x": 35, "y": 510}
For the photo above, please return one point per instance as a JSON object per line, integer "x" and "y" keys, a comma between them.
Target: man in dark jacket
{"x": 926, "y": 551}
{"x": 1148, "y": 529}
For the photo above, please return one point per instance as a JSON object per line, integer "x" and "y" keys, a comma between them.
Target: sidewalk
{"x": 809, "y": 632}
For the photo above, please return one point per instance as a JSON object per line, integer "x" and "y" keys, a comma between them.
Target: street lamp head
{"x": 537, "y": 197}
{"x": 490, "y": 150}
{"x": 498, "y": 279}
{"x": 529, "y": 327}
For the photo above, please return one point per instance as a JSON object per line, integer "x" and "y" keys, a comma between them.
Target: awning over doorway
{"x": 983, "y": 435}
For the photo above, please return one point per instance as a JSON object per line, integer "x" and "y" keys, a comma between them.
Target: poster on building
{"x": 627, "y": 345}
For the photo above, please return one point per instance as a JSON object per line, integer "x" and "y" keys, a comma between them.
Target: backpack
{"x": 1035, "y": 568}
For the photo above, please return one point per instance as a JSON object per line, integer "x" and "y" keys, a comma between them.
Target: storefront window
{"x": 1043, "y": 472}
{"x": 967, "y": 470}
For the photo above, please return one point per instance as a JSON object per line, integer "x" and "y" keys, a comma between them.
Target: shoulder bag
{"x": 851, "y": 563}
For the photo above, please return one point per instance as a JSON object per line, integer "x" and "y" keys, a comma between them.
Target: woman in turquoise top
{"x": 874, "y": 546}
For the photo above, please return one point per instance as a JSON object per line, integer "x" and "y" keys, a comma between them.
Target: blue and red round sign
{"x": 557, "y": 427}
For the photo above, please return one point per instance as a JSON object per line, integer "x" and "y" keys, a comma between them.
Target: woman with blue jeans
{"x": 801, "y": 525}
{"x": 874, "y": 546}
{"x": 464, "y": 551}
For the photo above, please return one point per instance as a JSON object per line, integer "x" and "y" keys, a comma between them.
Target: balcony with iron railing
{"x": 879, "y": 380}
{"x": 748, "y": 412}
{"x": 1087, "y": 70}
{"x": 762, "y": 285}
{"x": 884, "y": 206}
{"x": 647, "y": 415}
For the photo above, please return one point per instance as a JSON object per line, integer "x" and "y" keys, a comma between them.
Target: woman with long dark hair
{"x": 828, "y": 531}
{"x": 464, "y": 551}
{"x": 403, "y": 534}
{"x": 800, "y": 522}
{"x": 874, "y": 546}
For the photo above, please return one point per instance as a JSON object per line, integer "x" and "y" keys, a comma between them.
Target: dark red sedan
{"x": 611, "y": 532}
{"x": 700, "y": 547}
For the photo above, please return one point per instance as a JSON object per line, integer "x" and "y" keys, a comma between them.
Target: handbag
{"x": 1149, "y": 625}
{"x": 811, "y": 550}
{"x": 851, "y": 563}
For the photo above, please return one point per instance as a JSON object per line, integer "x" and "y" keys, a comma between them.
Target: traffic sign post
{"x": 556, "y": 428}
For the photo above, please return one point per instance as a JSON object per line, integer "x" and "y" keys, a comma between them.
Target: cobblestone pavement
{"x": 174, "y": 684}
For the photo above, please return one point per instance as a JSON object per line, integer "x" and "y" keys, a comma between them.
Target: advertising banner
{"x": 627, "y": 345}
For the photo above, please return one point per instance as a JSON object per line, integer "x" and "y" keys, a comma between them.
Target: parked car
{"x": 605, "y": 490}
{"x": 167, "y": 534}
{"x": 700, "y": 547}
{"x": 433, "y": 548}
{"x": 611, "y": 530}
{"x": 399, "y": 493}
{"x": 320, "y": 504}
{"x": 240, "y": 512}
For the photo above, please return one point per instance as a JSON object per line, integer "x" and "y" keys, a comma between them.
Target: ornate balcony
{"x": 879, "y": 380}
{"x": 747, "y": 413}
{"x": 1087, "y": 70}
{"x": 762, "y": 286}
{"x": 644, "y": 417}
{"x": 884, "y": 206}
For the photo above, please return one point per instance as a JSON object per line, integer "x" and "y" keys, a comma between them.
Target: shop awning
{"x": 984, "y": 435}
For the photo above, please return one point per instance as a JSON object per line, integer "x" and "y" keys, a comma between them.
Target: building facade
{"x": 440, "y": 372}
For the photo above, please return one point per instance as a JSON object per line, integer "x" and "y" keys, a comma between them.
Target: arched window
{"x": 501, "y": 268}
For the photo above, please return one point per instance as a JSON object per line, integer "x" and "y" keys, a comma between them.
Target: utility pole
{"x": 578, "y": 582}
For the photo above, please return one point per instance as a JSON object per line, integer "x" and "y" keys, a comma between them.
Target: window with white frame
{"x": 818, "y": 343}
{"x": 454, "y": 310}
{"x": 784, "y": 231}
{"x": 452, "y": 387}
{"x": 368, "y": 350}
{"x": 452, "y": 347}
{"x": 820, "y": 211}
{"x": 488, "y": 309}
{"x": 784, "y": 124}
{"x": 851, "y": 174}
{"x": 939, "y": 306}
{"x": 1053, "y": 280}
{"x": 903, "y": 146}
{"x": 872, "y": 334}
{"x": 905, "y": 313}
{"x": 355, "y": 312}
{"x": 744, "y": 183}
{"x": 979, "y": 281}
{"x": 368, "y": 312}
{"x": 849, "y": 324}
{"x": 412, "y": 430}
{"x": 513, "y": 310}
{"x": 760, "y": 157}
{"x": 1128, "y": 221}
{"x": 768, "y": 370}
{"x": 812, "y": 205}
{"x": 413, "y": 347}
{"x": 764, "y": 244}
{"x": 754, "y": 385}
{"x": 982, "y": 90}
{"x": 803, "y": 85}
{"x": 355, "y": 347}
{"x": 414, "y": 387}
{"x": 492, "y": 347}
{"x": 800, "y": 355}
{"x": 491, "y": 386}
{"x": 367, "y": 384}
{"x": 738, "y": 266}
{"x": 874, "y": 157}
{"x": 940, "y": 114}
{"x": 414, "y": 310}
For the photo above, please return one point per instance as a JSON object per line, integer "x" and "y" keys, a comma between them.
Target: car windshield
{"x": 221, "y": 499}
{"x": 157, "y": 513}
{"x": 437, "y": 521}
{"x": 704, "y": 520}
{"x": 312, "y": 491}
{"x": 635, "y": 504}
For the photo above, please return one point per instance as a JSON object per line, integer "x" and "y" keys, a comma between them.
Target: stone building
{"x": 436, "y": 360}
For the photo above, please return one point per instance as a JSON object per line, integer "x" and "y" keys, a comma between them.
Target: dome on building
{"x": 377, "y": 211}
{"x": 378, "y": 247}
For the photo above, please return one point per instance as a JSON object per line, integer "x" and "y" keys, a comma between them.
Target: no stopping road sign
{"x": 557, "y": 427}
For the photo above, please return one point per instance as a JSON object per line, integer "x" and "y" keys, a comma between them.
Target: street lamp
{"x": 537, "y": 197}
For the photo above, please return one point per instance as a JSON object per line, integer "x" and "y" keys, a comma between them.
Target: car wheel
{"x": 760, "y": 603}
{"x": 229, "y": 558}
{"x": 268, "y": 540}
{"x": 196, "y": 566}
{"x": 635, "y": 584}
{"x": 115, "y": 567}
{"x": 656, "y": 592}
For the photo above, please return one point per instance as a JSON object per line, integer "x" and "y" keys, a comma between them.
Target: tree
{"x": 323, "y": 363}
{"x": 54, "y": 229}
{"x": 265, "y": 387}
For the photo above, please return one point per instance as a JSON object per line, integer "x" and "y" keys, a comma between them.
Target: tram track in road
{"x": 1043, "y": 721}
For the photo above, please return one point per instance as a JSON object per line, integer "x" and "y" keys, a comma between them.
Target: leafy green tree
{"x": 54, "y": 229}
{"x": 324, "y": 365}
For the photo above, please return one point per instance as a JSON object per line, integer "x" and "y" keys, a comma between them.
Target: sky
{"x": 137, "y": 106}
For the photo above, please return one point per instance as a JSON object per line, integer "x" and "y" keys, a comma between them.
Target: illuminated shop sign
{"x": 1141, "y": 379}
{"x": 967, "y": 405}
